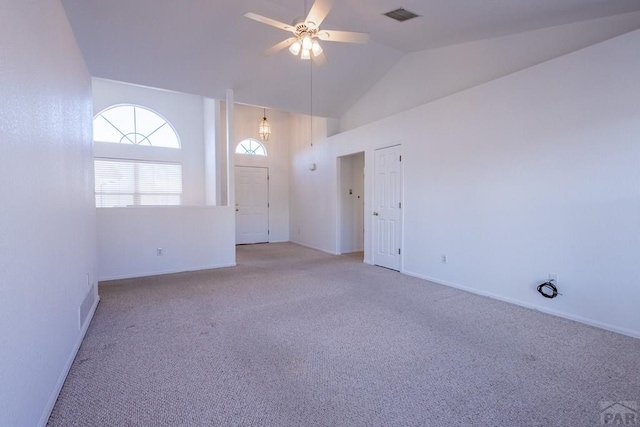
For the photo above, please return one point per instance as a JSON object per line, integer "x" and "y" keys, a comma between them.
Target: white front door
{"x": 387, "y": 217}
{"x": 252, "y": 205}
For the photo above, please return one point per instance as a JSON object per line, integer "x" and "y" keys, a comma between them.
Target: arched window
{"x": 252, "y": 147}
{"x": 133, "y": 124}
{"x": 126, "y": 176}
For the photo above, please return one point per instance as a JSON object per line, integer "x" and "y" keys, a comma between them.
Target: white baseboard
{"x": 564, "y": 315}
{"x": 65, "y": 371}
{"x": 316, "y": 248}
{"x": 161, "y": 272}
{"x": 351, "y": 251}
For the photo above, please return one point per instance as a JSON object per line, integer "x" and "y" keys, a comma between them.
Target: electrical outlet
{"x": 553, "y": 278}
{"x": 159, "y": 252}
{"x": 443, "y": 259}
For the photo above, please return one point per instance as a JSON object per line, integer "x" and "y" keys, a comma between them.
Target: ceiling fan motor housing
{"x": 302, "y": 27}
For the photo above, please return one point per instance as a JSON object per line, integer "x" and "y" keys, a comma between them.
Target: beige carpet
{"x": 295, "y": 337}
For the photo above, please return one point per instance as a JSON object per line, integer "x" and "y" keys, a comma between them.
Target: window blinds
{"x": 128, "y": 182}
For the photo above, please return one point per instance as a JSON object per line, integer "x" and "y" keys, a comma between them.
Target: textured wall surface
{"x": 530, "y": 174}
{"x": 190, "y": 237}
{"x": 47, "y": 214}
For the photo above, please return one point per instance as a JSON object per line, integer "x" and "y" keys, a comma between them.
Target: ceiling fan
{"x": 307, "y": 32}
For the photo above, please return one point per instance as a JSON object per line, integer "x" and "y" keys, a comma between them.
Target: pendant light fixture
{"x": 264, "y": 130}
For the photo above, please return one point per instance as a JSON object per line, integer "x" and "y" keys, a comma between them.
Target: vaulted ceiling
{"x": 204, "y": 47}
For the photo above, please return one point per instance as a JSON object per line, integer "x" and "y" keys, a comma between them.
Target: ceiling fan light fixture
{"x": 316, "y": 48}
{"x": 307, "y": 43}
{"x": 295, "y": 47}
{"x": 304, "y": 42}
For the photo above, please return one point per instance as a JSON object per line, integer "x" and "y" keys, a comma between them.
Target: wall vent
{"x": 85, "y": 307}
{"x": 401, "y": 15}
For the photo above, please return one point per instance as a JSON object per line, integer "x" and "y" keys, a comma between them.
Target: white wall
{"x": 213, "y": 153}
{"x": 312, "y": 210}
{"x": 47, "y": 214}
{"x": 530, "y": 174}
{"x": 425, "y": 76}
{"x": 247, "y": 119}
{"x": 186, "y": 114}
{"x": 191, "y": 238}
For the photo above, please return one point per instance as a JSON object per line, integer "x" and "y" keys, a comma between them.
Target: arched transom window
{"x": 252, "y": 147}
{"x": 133, "y": 124}
{"x": 127, "y": 176}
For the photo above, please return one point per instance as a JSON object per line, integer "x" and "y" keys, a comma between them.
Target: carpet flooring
{"x": 296, "y": 337}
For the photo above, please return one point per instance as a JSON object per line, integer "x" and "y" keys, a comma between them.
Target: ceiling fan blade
{"x": 269, "y": 21}
{"x": 278, "y": 47}
{"x": 319, "y": 10}
{"x": 319, "y": 59}
{"x": 343, "y": 36}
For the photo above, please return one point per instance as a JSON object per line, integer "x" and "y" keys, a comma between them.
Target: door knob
{"x": 375, "y": 214}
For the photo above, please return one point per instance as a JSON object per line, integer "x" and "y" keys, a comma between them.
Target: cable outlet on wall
{"x": 553, "y": 278}
{"x": 443, "y": 259}
{"x": 159, "y": 252}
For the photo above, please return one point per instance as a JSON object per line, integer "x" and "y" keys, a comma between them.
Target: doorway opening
{"x": 351, "y": 205}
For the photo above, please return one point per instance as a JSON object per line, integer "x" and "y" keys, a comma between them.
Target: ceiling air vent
{"x": 401, "y": 15}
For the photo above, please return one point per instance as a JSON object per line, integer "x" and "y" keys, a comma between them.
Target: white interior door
{"x": 252, "y": 205}
{"x": 387, "y": 218}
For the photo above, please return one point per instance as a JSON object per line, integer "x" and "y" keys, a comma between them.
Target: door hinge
{"x": 267, "y": 204}
{"x": 400, "y": 158}
{"x": 268, "y": 231}
{"x": 400, "y": 205}
{"x": 399, "y": 251}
